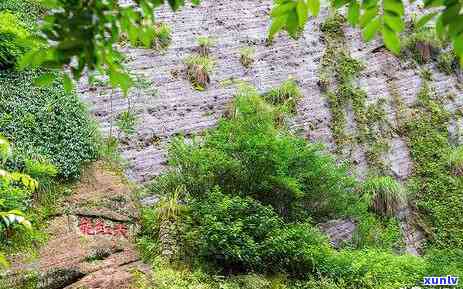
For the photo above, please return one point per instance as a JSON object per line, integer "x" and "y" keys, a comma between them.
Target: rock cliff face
{"x": 168, "y": 105}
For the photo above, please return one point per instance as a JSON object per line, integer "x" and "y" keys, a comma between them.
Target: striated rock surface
{"x": 168, "y": 104}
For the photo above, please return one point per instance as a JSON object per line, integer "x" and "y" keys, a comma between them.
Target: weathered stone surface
{"x": 75, "y": 257}
{"x": 339, "y": 231}
{"x": 171, "y": 106}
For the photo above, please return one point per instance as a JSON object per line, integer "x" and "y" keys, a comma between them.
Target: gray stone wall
{"x": 171, "y": 106}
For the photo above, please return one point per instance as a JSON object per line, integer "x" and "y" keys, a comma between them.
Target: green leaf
{"x": 45, "y": 80}
{"x": 277, "y": 24}
{"x": 433, "y": 3}
{"x": 314, "y": 7}
{"x": 121, "y": 79}
{"x": 368, "y": 16}
{"x": 353, "y": 13}
{"x": 391, "y": 40}
{"x": 457, "y": 43}
{"x": 394, "y": 22}
{"x": 292, "y": 24}
{"x": 67, "y": 83}
{"x": 371, "y": 29}
{"x": 339, "y": 3}
{"x": 456, "y": 26}
{"x": 302, "y": 12}
{"x": 425, "y": 19}
{"x": 440, "y": 28}
{"x": 283, "y": 9}
{"x": 394, "y": 6}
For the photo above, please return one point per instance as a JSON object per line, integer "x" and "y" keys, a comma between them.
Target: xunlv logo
{"x": 448, "y": 280}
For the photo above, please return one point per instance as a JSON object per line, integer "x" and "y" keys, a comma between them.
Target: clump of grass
{"x": 286, "y": 96}
{"x": 456, "y": 161}
{"x": 385, "y": 195}
{"x": 247, "y": 56}
{"x": 447, "y": 62}
{"x": 162, "y": 36}
{"x": 126, "y": 122}
{"x": 205, "y": 43}
{"x": 426, "y": 74}
{"x": 168, "y": 211}
{"x": 198, "y": 69}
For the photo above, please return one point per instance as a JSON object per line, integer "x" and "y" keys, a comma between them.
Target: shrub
{"x": 47, "y": 122}
{"x": 230, "y": 230}
{"x": 386, "y": 196}
{"x": 13, "y": 40}
{"x": 126, "y": 122}
{"x": 249, "y": 156}
{"x": 421, "y": 44}
{"x": 379, "y": 269}
{"x": 447, "y": 62}
{"x": 162, "y": 36}
{"x": 198, "y": 69}
{"x": 298, "y": 250}
{"x": 26, "y": 10}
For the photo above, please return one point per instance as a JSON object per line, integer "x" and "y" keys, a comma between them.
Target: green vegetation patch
{"x": 439, "y": 194}
{"x": 47, "y": 122}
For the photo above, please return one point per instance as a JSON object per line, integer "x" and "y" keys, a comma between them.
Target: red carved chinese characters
{"x": 120, "y": 230}
{"x": 87, "y": 227}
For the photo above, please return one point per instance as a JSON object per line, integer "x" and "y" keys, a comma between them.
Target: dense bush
{"x": 296, "y": 249}
{"x": 248, "y": 156}
{"x": 13, "y": 39}
{"x": 46, "y": 122}
{"x": 230, "y": 231}
{"x": 26, "y": 10}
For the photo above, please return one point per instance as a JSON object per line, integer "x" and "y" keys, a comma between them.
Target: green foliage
{"x": 332, "y": 27}
{"x": 375, "y": 17}
{"x": 347, "y": 68}
{"x": 13, "y": 40}
{"x": 298, "y": 250}
{"x": 162, "y": 36}
{"x": 447, "y": 62}
{"x": 26, "y": 10}
{"x": 385, "y": 195}
{"x": 247, "y": 56}
{"x": 230, "y": 231}
{"x": 205, "y": 43}
{"x": 438, "y": 194}
{"x": 46, "y": 122}
{"x": 15, "y": 191}
{"x": 455, "y": 160}
{"x": 248, "y": 155}
{"x": 126, "y": 122}
{"x": 421, "y": 44}
{"x": 286, "y": 96}
{"x": 199, "y": 68}
{"x": 78, "y": 41}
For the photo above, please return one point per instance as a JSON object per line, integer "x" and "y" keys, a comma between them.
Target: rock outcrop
{"x": 91, "y": 239}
